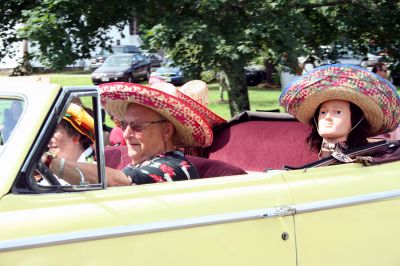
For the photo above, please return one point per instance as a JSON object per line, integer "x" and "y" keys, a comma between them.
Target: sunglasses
{"x": 139, "y": 126}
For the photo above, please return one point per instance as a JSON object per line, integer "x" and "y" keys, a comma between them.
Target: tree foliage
{"x": 206, "y": 34}
{"x": 63, "y": 30}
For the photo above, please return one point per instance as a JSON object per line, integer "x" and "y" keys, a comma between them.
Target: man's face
{"x": 334, "y": 120}
{"x": 147, "y": 142}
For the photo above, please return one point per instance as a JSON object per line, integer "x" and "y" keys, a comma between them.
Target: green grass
{"x": 71, "y": 80}
{"x": 260, "y": 99}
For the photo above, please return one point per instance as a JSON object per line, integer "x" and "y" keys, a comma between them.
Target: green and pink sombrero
{"x": 193, "y": 122}
{"x": 376, "y": 97}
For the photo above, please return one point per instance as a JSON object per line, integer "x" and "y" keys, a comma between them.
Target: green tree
{"x": 225, "y": 35}
{"x": 206, "y": 34}
{"x": 62, "y": 30}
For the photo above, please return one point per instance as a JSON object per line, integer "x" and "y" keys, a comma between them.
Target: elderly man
{"x": 155, "y": 124}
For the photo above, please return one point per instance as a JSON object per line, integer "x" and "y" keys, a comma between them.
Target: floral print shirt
{"x": 168, "y": 167}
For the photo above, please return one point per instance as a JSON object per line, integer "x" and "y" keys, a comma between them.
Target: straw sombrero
{"x": 195, "y": 93}
{"x": 197, "y": 90}
{"x": 191, "y": 126}
{"x": 80, "y": 120}
{"x": 376, "y": 97}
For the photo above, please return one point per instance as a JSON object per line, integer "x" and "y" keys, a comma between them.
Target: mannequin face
{"x": 334, "y": 120}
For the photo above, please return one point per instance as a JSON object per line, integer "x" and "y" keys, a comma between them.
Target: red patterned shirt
{"x": 171, "y": 166}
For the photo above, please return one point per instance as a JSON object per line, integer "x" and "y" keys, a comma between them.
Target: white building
{"x": 130, "y": 33}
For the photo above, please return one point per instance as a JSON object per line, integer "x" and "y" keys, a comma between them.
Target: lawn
{"x": 260, "y": 99}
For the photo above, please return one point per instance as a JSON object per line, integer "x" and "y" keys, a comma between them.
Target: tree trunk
{"x": 223, "y": 83}
{"x": 24, "y": 66}
{"x": 237, "y": 88}
{"x": 269, "y": 72}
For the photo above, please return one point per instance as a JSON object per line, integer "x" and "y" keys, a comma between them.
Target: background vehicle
{"x": 170, "y": 74}
{"x": 255, "y": 75}
{"x": 340, "y": 214}
{"x": 155, "y": 59}
{"x": 122, "y": 67}
{"x": 395, "y": 73}
{"x": 99, "y": 59}
{"x": 349, "y": 57}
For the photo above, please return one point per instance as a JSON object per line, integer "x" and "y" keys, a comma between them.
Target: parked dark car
{"x": 254, "y": 75}
{"x": 395, "y": 73}
{"x": 154, "y": 58}
{"x": 99, "y": 59}
{"x": 170, "y": 74}
{"x": 122, "y": 67}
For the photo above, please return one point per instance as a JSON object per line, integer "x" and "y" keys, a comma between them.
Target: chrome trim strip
{"x": 343, "y": 202}
{"x": 118, "y": 231}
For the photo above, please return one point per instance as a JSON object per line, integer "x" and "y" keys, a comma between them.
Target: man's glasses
{"x": 139, "y": 126}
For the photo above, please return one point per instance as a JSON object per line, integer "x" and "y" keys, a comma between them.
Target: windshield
{"x": 10, "y": 113}
{"x": 118, "y": 61}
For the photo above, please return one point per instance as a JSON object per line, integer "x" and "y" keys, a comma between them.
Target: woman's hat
{"x": 375, "y": 96}
{"x": 197, "y": 90}
{"x": 193, "y": 128}
{"x": 80, "y": 120}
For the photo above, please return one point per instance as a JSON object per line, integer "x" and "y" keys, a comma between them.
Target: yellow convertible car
{"x": 264, "y": 201}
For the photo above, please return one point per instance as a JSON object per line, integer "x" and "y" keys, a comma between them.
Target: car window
{"x": 139, "y": 57}
{"x": 129, "y": 49}
{"x": 72, "y": 140}
{"x": 105, "y": 52}
{"x": 118, "y": 50}
{"x": 118, "y": 61}
{"x": 10, "y": 114}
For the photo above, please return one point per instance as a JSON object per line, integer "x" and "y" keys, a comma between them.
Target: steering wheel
{"x": 48, "y": 174}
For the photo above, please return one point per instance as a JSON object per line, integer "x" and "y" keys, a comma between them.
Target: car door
{"x": 347, "y": 214}
{"x": 234, "y": 220}
{"x": 203, "y": 223}
{"x": 141, "y": 66}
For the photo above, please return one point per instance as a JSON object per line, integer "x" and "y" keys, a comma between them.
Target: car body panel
{"x": 349, "y": 211}
{"x": 334, "y": 215}
{"x": 179, "y": 211}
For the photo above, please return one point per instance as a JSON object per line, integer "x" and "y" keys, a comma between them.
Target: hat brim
{"x": 191, "y": 128}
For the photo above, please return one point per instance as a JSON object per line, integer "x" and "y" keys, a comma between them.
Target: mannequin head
{"x": 334, "y": 120}
{"x": 340, "y": 130}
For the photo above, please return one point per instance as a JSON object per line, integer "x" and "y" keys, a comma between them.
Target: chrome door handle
{"x": 280, "y": 211}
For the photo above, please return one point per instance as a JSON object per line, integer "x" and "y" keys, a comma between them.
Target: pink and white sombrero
{"x": 193, "y": 129}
